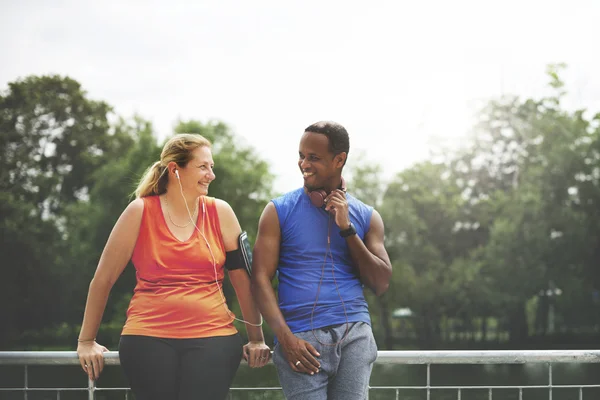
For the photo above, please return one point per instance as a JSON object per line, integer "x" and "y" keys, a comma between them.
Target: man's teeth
{"x": 307, "y": 174}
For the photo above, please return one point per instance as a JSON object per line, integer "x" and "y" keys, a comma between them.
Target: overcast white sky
{"x": 400, "y": 75}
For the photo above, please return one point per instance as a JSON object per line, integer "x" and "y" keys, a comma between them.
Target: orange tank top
{"x": 176, "y": 295}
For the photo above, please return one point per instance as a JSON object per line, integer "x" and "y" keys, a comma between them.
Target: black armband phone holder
{"x": 241, "y": 257}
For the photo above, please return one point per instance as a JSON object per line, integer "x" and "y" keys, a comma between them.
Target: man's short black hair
{"x": 339, "y": 141}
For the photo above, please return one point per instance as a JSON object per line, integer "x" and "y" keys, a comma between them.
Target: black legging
{"x": 180, "y": 369}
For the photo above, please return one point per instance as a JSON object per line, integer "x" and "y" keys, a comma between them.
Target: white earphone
{"x": 214, "y": 262}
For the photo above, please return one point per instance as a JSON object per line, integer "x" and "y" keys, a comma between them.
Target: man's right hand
{"x": 300, "y": 354}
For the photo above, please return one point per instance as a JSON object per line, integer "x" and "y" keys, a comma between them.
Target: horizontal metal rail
{"x": 428, "y": 358}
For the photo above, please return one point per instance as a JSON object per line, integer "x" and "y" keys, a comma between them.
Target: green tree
{"x": 522, "y": 173}
{"x": 92, "y": 220}
{"x": 52, "y": 137}
{"x": 422, "y": 207}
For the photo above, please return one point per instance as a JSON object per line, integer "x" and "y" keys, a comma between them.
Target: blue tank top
{"x": 304, "y": 230}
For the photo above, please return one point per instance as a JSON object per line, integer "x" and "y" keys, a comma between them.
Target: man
{"x": 325, "y": 244}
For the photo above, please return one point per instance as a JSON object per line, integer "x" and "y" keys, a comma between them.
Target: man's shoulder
{"x": 353, "y": 201}
{"x": 287, "y": 203}
{"x": 291, "y": 195}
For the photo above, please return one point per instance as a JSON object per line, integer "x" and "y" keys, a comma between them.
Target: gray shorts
{"x": 345, "y": 368}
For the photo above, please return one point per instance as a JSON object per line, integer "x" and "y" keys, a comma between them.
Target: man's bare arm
{"x": 265, "y": 258}
{"x": 371, "y": 258}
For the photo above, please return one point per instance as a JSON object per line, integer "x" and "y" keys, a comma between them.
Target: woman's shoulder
{"x": 224, "y": 210}
{"x": 136, "y": 206}
{"x": 150, "y": 203}
{"x": 228, "y": 223}
{"x": 133, "y": 213}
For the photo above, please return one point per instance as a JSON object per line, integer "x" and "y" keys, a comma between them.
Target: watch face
{"x": 350, "y": 231}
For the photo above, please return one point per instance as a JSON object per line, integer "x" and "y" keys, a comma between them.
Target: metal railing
{"x": 426, "y": 358}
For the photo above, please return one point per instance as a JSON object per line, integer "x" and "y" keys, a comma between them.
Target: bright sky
{"x": 400, "y": 75}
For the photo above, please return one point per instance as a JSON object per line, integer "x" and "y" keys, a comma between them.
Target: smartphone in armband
{"x": 246, "y": 251}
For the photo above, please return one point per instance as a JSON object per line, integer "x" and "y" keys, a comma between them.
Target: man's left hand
{"x": 338, "y": 206}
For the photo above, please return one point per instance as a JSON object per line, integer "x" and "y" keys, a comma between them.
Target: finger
{"x": 312, "y": 350}
{"x": 264, "y": 356}
{"x": 83, "y": 365}
{"x": 299, "y": 367}
{"x": 251, "y": 358}
{"x": 337, "y": 194}
{"x": 311, "y": 362}
{"x": 293, "y": 366}
{"x": 100, "y": 364}
{"x": 245, "y": 353}
{"x": 89, "y": 368}
{"x": 294, "y": 362}
{"x": 95, "y": 369}
{"x": 257, "y": 358}
{"x": 336, "y": 202}
{"x": 335, "y": 207}
{"x": 307, "y": 367}
{"x": 104, "y": 349}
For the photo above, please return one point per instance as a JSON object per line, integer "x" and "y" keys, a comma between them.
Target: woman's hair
{"x": 177, "y": 149}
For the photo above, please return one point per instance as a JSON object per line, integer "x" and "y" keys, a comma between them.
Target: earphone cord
{"x": 312, "y": 313}
{"x": 214, "y": 261}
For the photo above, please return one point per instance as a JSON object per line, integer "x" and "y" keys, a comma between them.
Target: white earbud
{"x": 177, "y": 174}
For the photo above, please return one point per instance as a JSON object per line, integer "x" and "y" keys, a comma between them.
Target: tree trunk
{"x": 484, "y": 329}
{"x": 518, "y": 324}
{"x": 427, "y": 331}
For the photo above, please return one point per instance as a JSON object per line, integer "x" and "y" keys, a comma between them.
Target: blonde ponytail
{"x": 153, "y": 182}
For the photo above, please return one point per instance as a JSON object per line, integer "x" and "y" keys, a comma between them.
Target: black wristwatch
{"x": 348, "y": 232}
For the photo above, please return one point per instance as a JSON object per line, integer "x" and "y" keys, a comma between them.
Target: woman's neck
{"x": 177, "y": 202}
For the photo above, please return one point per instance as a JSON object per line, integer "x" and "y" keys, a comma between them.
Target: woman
{"x": 178, "y": 341}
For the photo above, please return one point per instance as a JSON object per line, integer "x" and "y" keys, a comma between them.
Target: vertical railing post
{"x": 428, "y": 381}
{"x": 26, "y": 383}
{"x": 549, "y": 381}
{"x": 91, "y": 389}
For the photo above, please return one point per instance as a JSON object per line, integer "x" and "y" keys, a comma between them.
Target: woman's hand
{"x": 257, "y": 354}
{"x": 91, "y": 358}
